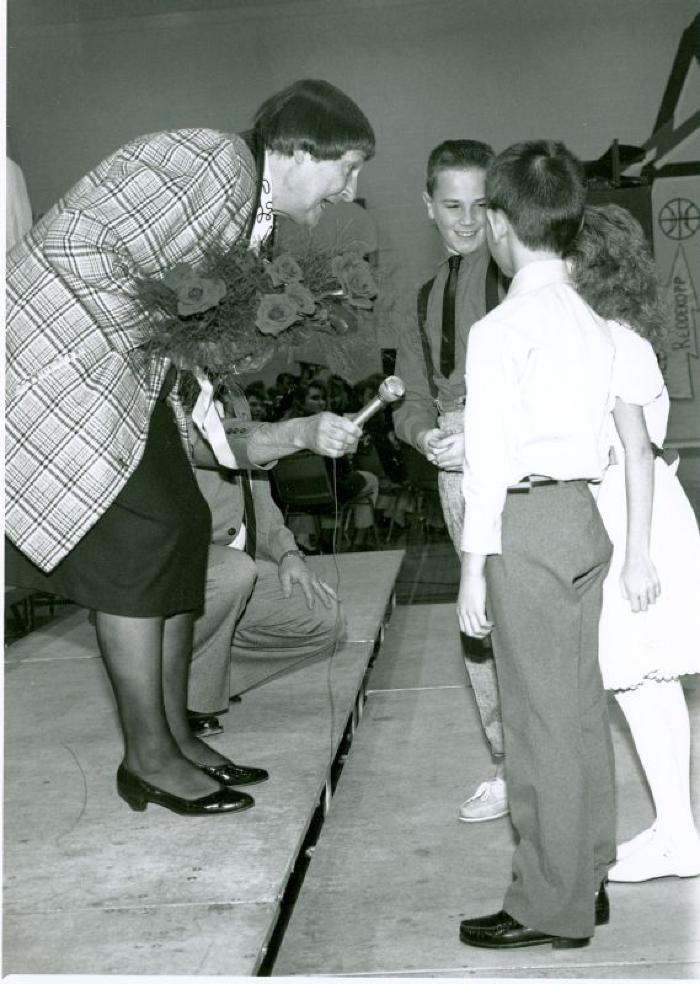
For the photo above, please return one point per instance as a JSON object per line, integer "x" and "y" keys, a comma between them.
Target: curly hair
{"x": 614, "y": 272}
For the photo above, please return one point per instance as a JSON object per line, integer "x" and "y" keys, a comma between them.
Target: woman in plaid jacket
{"x": 102, "y": 505}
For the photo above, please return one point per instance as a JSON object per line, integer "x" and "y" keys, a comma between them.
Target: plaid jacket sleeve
{"x": 80, "y": 391}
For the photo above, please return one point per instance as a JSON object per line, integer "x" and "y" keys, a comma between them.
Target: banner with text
{"x": 676, "y": 208}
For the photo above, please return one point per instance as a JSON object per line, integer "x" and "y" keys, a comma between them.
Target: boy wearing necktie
{"x": 430, "y": 360}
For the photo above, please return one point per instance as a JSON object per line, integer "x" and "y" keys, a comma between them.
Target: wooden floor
{"x": 93, "y": 888}
{"x": 394, "y": 871}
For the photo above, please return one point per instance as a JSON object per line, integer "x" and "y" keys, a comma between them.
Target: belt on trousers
{"x": 531, "y": 482}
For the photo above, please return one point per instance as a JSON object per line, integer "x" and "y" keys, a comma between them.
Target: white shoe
{"x": 634, "y": 843}
{"x": 489, "y": 802}
{"x": 658, "y": 859}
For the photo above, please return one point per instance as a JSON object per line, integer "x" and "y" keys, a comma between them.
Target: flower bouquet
{"x": 236, "y": 309}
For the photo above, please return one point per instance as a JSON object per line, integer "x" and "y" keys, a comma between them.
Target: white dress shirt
{"x": 539, "y": 381}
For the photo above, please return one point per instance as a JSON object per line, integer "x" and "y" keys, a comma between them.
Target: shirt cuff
{"x": 481, "y": 533}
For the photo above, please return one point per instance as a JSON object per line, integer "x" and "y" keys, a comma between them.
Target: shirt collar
{"x": 539, "y": 273}
{"x": 482, "y": 253}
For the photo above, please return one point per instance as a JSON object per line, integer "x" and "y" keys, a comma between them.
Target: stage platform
{"x": 394, "y": 871}
{"x": 93, "y": 888}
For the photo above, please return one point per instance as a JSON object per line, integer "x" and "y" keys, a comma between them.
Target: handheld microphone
{"x": 390, "y": 390}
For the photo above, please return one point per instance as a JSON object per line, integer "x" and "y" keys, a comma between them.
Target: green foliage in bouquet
{"x": 235, "y": 310}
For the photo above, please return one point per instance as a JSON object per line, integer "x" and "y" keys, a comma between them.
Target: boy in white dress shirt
{"x": 536, "y": 424}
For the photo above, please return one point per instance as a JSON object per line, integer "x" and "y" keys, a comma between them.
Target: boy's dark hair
{"x": 314, "y": 116}
{"x": 540, "y": 186}
{"x": 459, "y": 155}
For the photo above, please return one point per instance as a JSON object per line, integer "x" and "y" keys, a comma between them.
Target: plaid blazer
{"x": 80, "y": 389}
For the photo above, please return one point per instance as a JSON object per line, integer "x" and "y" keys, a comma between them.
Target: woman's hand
{"x": 639, "y": 583}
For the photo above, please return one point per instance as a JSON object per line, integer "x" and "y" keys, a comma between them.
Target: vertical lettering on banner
{"x": 676, "y": 210}
{"x": 682, "y": 304}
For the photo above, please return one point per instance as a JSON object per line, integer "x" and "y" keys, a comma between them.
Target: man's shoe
{"x": 501, "y": 932}
{"x": 602, "y": 906}
{"x": 230, "y": 774}
{"x": 489, "y": 802}
{"x": 204, "y": 725}
{"x": 602, "y": 912}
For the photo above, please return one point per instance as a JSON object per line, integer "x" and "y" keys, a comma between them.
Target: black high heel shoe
{"x": 138, "y": 794}
{"x": 230, "y": 774}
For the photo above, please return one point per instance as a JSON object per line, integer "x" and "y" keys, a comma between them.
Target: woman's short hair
{"x": 540, "y": 186}
{"x": 614, "y": 271}
{"x": 456, "y": 155}
{"x": 314, "y": 116}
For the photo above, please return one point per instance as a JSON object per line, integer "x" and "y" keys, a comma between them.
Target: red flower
{"x": 195, "y": 294}
{"x": 302, "y": 297}
{"x": 276, "y": 313}
{"x": 355, "y": 277}
{"x": 284, "y": 269}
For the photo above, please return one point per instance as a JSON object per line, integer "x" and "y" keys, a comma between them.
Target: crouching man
{"x": 266, "y": 613}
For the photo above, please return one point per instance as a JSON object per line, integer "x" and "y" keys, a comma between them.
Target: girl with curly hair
{"x": 650, "y": 622}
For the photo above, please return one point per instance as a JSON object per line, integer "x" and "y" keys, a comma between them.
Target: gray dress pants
{"x": 545, "y": 595}
{"x": 249, "y": 632}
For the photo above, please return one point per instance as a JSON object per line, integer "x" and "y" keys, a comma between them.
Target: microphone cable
{"x": 338, "y": 627}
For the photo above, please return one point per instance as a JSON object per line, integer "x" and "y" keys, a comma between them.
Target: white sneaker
{"x": 489, "y": 802}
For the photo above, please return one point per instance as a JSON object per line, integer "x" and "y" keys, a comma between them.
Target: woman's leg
{"x": 657, "y": 715}
{"x": 177, "y": 651}
{"x": 145, "y": 663}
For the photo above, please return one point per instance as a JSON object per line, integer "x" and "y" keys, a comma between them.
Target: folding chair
{"x": 303, "y": 487}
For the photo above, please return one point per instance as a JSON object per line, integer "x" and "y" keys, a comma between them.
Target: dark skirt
{"x": 146, "y": 555}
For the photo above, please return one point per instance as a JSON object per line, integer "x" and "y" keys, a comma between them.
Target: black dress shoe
{"x": 204, "y": 725}
{"x": 602, "y": 906}
{"x": 501, "y": 932}
{"x": 230, "y": 774}
{"x": 138, "y": 794}
{"x": 602, "y": 911}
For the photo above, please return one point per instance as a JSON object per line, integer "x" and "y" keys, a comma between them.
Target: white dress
{"x": 664, "y": 641}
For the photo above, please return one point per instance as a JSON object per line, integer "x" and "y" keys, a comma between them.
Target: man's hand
{"x": 448, "y": 451}
{"x": 425, "y": 443}
{"x": 330, "y": 435}
{"x": 325, "y": 433}
{"x": 293, "y": 570}
{"x": 471, "y": 601}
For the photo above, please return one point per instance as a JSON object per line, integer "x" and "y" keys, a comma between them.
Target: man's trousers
{"x": 249, "y": 632}
{"x": 545, "y": 594}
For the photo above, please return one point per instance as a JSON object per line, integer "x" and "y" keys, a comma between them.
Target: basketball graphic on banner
{"x": 679, "y": 218}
